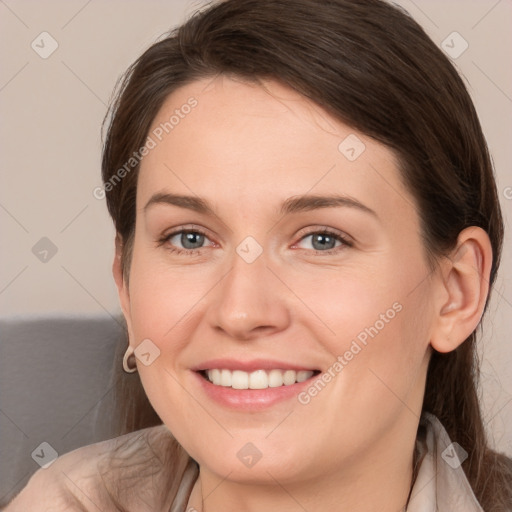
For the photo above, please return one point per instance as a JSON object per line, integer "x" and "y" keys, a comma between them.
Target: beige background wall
{"x": 52, "y": 109}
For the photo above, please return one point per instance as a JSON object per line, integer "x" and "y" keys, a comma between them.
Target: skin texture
{"x": 246, "y": 148}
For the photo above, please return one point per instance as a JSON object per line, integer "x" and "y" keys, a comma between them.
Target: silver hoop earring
{"x": 127, "y": 355}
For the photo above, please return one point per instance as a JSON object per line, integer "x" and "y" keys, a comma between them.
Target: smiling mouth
{"x": 258, "y": 379}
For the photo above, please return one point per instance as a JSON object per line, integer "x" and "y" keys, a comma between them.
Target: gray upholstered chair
{"x": 55, "y": 388}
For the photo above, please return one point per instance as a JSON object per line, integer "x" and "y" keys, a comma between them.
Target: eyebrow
{"x": 290, "y": 205}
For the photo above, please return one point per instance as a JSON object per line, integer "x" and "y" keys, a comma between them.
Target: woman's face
{"x": 256, "y": 284}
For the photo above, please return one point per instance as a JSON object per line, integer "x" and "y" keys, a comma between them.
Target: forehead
{"x": 244, "y": 143}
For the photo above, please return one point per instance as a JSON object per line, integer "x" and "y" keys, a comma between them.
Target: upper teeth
{"x": 258, "y": 379}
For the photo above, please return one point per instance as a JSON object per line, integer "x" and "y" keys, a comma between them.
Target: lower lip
{"x": 251, "y": 399}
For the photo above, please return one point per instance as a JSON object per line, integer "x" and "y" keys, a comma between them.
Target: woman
{"x": 307, "y": 234}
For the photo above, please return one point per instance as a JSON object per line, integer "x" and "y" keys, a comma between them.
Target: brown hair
{"x": 370, "y": 65}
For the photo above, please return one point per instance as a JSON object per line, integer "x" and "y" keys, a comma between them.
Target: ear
{"x": 122, "y": 285}
{"x": 464, "y": 288}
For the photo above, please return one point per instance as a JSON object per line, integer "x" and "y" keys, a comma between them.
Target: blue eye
{"x": 191, "y": 241}
{"x": 326, "y": 241}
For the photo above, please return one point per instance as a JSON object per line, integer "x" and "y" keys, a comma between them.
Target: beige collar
{"x": 441, "y": 484}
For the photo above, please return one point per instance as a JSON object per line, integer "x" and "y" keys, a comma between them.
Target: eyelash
{"x": 345, "y": 242}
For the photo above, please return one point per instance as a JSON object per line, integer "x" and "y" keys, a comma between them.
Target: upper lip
{"x": 249, "y": 366}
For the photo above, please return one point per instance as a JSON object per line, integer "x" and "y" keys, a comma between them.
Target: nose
{"x": 249, "y": 301}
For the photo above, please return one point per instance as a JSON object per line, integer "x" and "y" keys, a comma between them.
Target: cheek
{"x": 350, "y": 302}
{"x": 162, "y": 298}
{"x": 375, "y": 325}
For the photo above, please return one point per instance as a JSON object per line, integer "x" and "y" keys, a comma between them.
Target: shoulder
{"x": 96, "y": 476}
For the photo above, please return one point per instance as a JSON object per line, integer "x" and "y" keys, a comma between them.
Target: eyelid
{"x": 167, "y": 235}
{"x": 327, "y": 230}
